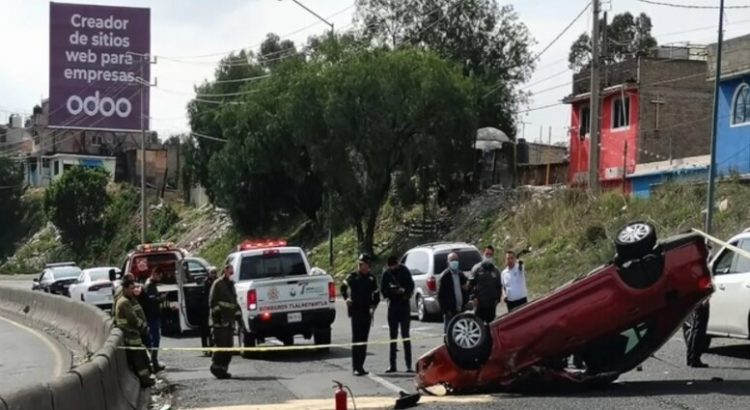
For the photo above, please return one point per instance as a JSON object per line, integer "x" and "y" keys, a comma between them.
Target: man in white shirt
{"x": 514, "y": 282}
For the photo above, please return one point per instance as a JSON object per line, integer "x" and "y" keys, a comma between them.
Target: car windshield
{"x": 467, "y": 258}
{"x": 66, "y": 273}
{"x": 271, "y": 264}
{"x": 99, "y": 274}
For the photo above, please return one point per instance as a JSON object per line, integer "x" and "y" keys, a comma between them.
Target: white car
{"x": 94, "y": 287}
{"x": 729, "y": 306}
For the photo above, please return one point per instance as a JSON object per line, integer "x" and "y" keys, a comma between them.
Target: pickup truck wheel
{"x": 468, "y": 341}
{"x": 322, "y": 337}
{"x": 288, "y": 340}
{"x": 248, "y": 340}
{"x": 635, "y": 240}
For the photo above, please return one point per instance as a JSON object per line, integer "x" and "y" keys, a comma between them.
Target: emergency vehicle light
{"x": 248, "y": 244}
{"x": 158, "y": 246}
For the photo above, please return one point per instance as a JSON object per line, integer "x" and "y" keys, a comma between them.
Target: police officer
{"x": 206, "y": 339}
{"x": 224, "y": 312}
{"x": 398, "y": 287}
{"x": 152, "y": 302}
{"x": 131, "y": 320}
{"x": 361, "y": 303}
{"x": 486, "y": 290}
{"x": 697, "y": 341}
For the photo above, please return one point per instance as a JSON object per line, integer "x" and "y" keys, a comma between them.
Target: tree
{"x": 374, "y": 113}
{"x": 625, "y": 37}
{"x": 487, "y": 41}
{"x": 12, "y": 189}
{"x": 76, "y": 204}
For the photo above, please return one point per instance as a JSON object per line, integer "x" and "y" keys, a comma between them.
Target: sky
{"x": 190, "y": 36}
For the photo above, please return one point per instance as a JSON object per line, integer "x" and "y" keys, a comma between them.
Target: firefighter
{"x": 224, "y": 312}
{"x": 360, "y": 290}
{"x": 118, "y": 292}
{"x": 131, "y": 320}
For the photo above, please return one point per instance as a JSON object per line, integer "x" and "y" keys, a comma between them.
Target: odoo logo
{"x": 94, "y": 105}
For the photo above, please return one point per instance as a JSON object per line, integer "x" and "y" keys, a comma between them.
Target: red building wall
{"x": 612, "y": 153}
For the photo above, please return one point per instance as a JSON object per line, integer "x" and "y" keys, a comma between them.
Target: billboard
{"x": 92, "y": 76}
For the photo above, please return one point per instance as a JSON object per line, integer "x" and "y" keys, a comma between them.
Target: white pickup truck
{"x": 281, "y": 295}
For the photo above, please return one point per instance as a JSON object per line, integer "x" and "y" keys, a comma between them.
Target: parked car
{"x": 56, "y": 278}
{"x": 729, "y": 306}
{"x": 94, "y": 287}
{"x": 426, "y": 263}
{"x": 281, "y": 295}
{"x": 612, "y": 319}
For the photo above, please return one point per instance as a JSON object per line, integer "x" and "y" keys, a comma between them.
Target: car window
{"x": 418, "y": 262}
{"x": 741, "y": 263}
{"x": 272, "y": 264}
{"x": 99, "y": 274}
{"x": 467, "y": 258}
{"x": 195, "y": 267}
{"x": 67, "y": 273}
{"x": 724, "y": 264}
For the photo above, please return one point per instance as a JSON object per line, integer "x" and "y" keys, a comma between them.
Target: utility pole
{"x": 594, "y": 119}
{"x": 143, "y": 83}
{"x": 712, "y": 167}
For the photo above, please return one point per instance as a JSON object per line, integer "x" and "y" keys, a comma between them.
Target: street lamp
{"x": 314, "y": 14}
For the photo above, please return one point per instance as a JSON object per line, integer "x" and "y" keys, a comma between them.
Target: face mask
{"x": 453, "y": 265}
{"x": 489, "y": 259}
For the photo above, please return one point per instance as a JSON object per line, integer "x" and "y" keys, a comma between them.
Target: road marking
{"x": 55, "y": 349}
{"x": 385, "y": 383}
{"x": 364, "y": 402}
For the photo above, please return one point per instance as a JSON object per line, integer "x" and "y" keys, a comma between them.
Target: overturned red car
{"x": 609, "y": 320}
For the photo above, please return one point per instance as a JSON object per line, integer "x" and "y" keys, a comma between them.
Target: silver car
{"x": 426, "y": 263}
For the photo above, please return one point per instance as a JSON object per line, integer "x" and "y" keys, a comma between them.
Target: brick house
{"x": 660, "y": 106}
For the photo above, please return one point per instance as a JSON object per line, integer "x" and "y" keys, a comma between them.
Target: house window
{"x": 741, "y": 105}
{"x": 97, "y": 139}
{"x": 621, "y": 113}
{"x": 56, "y": 167}
{"x": 584, "y": 120}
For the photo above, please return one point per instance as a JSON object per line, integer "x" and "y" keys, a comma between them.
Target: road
{"x": 303, "y": 379}
{"x": 28, "y": 356}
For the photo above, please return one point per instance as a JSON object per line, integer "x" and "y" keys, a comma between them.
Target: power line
{"x": 689, "y": 6}
{"x": 575, "y": 19}
{"x": 208, "y": 137}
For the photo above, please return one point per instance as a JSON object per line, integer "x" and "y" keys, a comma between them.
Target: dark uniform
{"x": 365, "y": 296}
{"x": 152, "y": 301}
{"x": 398, "y": 288}
{"x": 131, "y": 320}
{"x": 486, "y": 287}
{"x": 697, "y": 341}
{"x": 224, "y": 312}
{"x": 206, "y": 339}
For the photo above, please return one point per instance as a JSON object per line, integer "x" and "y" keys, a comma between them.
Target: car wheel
{"x": 248, "y": 340}
{"x": 468, "y": 340}
{"x": 421, "y": 309}
{"x": 288, "y": 340}
{"x": 635, "y": 240}
{"x": 322, "y": 337}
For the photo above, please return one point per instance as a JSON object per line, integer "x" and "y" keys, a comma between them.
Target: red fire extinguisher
{"x": 340, "y": 396}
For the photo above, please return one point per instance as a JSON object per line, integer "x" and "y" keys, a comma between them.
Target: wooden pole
{"x": 625, "y": 168}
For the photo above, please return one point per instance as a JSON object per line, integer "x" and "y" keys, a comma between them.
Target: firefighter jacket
{"x": 131, "y": 320}
{"x": 223, "y": 303}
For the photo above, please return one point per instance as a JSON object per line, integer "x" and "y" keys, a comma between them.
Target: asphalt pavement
{"x": 303, "y": 379}
{"x": 28, "y": 356}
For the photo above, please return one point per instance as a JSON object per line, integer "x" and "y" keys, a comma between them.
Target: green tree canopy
{"x": 626, "y": 36}
{"x": 12, "y": 188}
{"x": 76, "y": 204}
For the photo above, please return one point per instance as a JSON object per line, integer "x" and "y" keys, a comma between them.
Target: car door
{"x": 76, "y": 287}
{"x": 722, "y": 304}
{"x": 734, "y": 289}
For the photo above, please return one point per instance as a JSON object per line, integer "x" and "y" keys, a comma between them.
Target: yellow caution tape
{"x": 722, "y": 243}
{"x": 274, "y": 348}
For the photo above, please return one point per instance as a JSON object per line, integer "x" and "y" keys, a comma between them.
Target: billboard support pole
{"x": 144, "y": 210}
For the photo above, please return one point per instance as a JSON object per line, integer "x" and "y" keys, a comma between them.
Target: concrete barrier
{"x": 103, "y": 383}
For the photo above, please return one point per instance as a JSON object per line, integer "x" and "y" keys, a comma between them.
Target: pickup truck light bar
{"x": 153, "y": 247}
{"x": 249, "y": 245}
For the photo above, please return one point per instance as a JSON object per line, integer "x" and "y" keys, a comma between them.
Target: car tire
{"x": 287, "y": 340}
{"x": 421, "y": 309}
{"x": 322, "y": 337}
{"x": 248, "y": 340}
{"x": 635, "y": 240}
{"x": 468, "y": 341}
